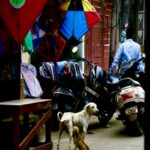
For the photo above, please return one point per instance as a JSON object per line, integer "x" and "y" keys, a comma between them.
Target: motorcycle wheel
{"x": 137, "y": 127}
{"x": 104, "y": 117}
{"x": 140, "y": 121}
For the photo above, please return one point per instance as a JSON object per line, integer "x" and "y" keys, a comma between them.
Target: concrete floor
{"x": 99, "y": 138}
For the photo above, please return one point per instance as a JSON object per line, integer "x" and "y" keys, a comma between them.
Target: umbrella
{"x": 17, "y": 17}
{"x": 79, "y": 18}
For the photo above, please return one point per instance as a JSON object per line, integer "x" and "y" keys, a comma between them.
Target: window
{"x": 141, "y": 22}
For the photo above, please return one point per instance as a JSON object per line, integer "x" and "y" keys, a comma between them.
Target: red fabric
{"x": 8, "y": 45}
{"x": 19, "y": 21}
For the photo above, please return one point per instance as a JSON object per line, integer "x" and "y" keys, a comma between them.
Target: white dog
{"x": 79, "y": 119}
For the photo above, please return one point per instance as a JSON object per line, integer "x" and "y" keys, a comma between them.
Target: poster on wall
{"x": 141, "y": 37}
{"x": 140, "y": 21}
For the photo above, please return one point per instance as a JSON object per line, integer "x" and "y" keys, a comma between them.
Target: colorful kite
{"x": 19, "y": 16}
{"x": 80, "y": 17}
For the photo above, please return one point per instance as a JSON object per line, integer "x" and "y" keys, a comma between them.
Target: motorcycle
{"x": 101, "y": 89}
{"x": 130, "y": 105}
{"x": 64, "y": 83}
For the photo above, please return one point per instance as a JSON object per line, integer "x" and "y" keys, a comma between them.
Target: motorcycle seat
{"x": 113, "y": 79}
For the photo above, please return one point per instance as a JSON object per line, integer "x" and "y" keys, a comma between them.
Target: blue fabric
{"x": 127, "y": 51}
{"x": 74, "y": 24}
{"x": 1, "y": 46}
{"x": 38, "y": 32}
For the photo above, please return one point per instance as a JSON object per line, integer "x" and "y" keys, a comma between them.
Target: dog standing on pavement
{"x": 79, "y": 119}
{"x": 78, "y": 141}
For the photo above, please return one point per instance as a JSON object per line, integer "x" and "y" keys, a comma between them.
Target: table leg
{"x": 48, "y": 130}
{"x": 16, "y": 131}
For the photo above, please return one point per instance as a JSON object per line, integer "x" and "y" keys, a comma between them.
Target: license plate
{"x": 131, "y": 110}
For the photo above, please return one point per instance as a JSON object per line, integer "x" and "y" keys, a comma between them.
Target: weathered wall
{"x": 97, "y": 47}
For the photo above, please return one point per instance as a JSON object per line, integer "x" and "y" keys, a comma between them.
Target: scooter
{"x": 130, "y": 97}
{"x": 131, "y": 105}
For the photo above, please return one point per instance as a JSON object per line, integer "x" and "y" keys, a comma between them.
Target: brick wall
{"x": 97, "y": 47}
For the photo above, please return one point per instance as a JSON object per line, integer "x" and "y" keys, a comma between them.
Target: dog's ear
{"x": 90, "y": 105}
{"x": 75, "y": 132}
{"x": 87, "y": 107}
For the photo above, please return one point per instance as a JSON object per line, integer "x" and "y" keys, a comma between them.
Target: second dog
{"x": 78, "y": 141}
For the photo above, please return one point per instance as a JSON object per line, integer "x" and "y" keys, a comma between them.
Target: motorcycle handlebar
{"x": 89, "y": 63}
{"x": 83, "y": 59}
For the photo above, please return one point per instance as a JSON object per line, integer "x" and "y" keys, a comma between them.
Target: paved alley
{"x": 99, "y": 138}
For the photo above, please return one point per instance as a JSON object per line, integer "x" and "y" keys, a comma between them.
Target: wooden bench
{"x": 24, "y": 107}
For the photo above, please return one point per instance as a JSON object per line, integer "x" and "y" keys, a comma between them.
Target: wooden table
{"x": 25, "y": 106}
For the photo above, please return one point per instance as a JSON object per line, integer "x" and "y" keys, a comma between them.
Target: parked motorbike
{"x": 64, "y": 83}
{"x": 101, "y": 89}
{"x": 131, "y": 105}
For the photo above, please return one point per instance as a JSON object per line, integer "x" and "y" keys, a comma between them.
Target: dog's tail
{"x": 59, "y": 115}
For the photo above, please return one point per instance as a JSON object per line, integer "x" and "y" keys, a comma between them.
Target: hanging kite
{"x": 80, "y": 17}
{"x": 19, "y": 16}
